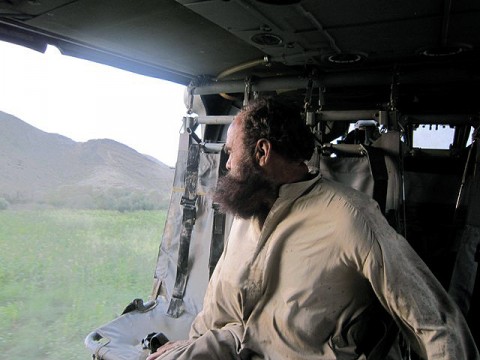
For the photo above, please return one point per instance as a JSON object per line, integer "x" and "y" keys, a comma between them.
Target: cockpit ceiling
{"x": 181, "y": 40}
{"x": 341, "y": 31}
{"x": 159, "y": 38}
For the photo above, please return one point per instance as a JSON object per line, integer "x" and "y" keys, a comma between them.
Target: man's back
{"x": 305, "y": 284}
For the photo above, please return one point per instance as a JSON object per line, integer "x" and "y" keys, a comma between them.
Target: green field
{"x": 65, "y": 272}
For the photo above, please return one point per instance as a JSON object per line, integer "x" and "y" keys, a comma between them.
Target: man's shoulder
{"x": 329, "y": 190}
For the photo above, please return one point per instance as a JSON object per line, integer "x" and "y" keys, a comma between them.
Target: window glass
{"x": 433, "y": 137}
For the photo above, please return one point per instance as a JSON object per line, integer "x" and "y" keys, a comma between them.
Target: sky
{"x": 83, "y": 100}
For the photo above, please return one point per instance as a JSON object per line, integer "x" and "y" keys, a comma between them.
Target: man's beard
{"x": 251, "y": 195}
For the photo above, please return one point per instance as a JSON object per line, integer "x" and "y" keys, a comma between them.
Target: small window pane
{"x": 433, "y": 137}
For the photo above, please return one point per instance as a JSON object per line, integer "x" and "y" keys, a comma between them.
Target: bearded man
{"x": 311, "y": 269}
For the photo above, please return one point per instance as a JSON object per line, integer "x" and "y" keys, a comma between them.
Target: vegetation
{"x": 123, "y": 200}
{"x": 65, "y": 272}
{"x": 120, "y": 199}
{"x": 3, "y": 203}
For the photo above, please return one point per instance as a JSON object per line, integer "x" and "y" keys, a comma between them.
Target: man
{"x": 308, "y": 262}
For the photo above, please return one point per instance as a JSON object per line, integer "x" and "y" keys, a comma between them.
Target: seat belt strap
{"x": 218, "y": 238}
{"x": 380, "y": 176}
{"x": 188, "y": 202}
{"x": 218, "y": 227}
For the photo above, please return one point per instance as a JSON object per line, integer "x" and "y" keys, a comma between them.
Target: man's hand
{"x": 167, "y": 347}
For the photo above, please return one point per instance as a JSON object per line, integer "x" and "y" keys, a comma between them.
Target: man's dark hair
{"x": 279, "y": 123}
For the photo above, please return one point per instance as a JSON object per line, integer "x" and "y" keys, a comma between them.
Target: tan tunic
{"x": 292, "y": 289}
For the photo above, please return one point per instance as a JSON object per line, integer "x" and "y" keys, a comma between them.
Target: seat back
{"x": 373, "y": 170}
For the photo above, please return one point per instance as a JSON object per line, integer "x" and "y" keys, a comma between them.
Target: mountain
{"x": 39, "y": 167}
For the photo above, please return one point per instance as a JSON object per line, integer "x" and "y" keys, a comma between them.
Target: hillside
{"x": 39, "y": 167}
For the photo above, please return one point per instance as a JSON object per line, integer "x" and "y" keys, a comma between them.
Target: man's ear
{"x": 263, "y": 151}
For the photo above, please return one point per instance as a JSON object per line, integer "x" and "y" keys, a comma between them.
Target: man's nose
{"x": 228, "y": 165}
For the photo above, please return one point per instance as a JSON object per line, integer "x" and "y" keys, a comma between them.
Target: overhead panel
{"x": 157, "y": 38}
{"x": 276, "y": 30}
{"x": 342, "y": 32}
{"x": 180, "y": 40}
{"x": 24, "y": 9}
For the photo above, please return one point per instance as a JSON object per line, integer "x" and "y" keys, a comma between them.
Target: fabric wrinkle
{"x": 310, "y": 284}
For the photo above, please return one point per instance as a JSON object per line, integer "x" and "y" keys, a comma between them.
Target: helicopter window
{"x": 433, "y": 137}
